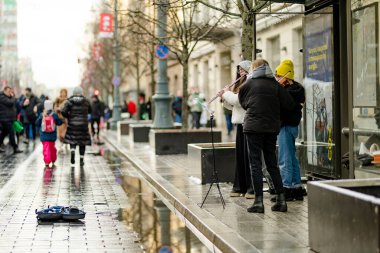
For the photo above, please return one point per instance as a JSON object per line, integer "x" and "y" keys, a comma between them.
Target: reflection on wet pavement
{"x": 148, "y": 215}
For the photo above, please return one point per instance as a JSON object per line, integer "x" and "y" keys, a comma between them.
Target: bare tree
{"x": 184, "y": 30}
{"x": 248, "y": 10}
{"x": 139, "y": 48}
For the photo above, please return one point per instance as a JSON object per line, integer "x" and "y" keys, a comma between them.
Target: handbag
{"x": 17, "y": 126}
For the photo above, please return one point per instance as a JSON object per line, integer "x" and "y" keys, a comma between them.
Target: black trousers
{"x": 243, "y": 181}
{"x": 7, "y": 129}
{"x": 97, "y": 121}
{"x": 196, "y": 119}
{"x": 266, "y": 143}
{"x": 82, "y": 149}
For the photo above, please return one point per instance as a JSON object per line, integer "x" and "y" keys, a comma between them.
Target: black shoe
{"x": 81, "y": 162}
{"x": 258, "y": 205}
{"x": 17, "y": 151}
{"x": 298, "y": 193}
{"x": 280, "y": 205}
{"x": 289, "y": 195}
{"x": 72, "y": 160}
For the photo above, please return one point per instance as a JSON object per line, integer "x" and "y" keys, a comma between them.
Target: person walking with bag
{"x": 48, "y": 122}
{"x": 263, "y": 98}
{"x": 76, "y": 110}
{"x": 242, "y": 182}
{"x": 290, "y": 120}
{"x": 195, "y": 102}
{"x": 8, "y": 115}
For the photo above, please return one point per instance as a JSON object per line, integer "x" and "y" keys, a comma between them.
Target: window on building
{"x": 274, "y": 51}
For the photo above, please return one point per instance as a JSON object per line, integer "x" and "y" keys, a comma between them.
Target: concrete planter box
{"x": 123, "y": 126}
{"x": 200, "y": 156}
{"x": 344, "y": 215}
{"x": 139, "y": 132}
{"x": 174, "y": 141}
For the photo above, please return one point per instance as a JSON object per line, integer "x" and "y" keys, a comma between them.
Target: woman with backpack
{"x": 48, "y": 122}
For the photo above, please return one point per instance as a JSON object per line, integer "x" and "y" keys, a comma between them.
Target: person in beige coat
{"x": 242, "y": 183}
{"x": 58, "y": 105}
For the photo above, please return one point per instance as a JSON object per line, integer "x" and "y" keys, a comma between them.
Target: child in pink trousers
{"x": 48, "y": 122}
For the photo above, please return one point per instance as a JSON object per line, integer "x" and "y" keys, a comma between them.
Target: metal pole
{"x": 116, "y": 114}
{"x": 162, "y": 100}
{"x": 254, "y": 37}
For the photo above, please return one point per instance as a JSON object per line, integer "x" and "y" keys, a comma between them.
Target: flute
{"x": 227, "y": 86}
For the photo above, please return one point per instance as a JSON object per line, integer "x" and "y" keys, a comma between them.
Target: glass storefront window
{"x": 366, "y": 101}
{"x": 319, "y": 87}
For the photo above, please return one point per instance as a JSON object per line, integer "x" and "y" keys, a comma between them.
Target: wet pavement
{"x": 223, "y": 230}
{"x": 146, "y": 214}
{"x": 25, "y": 185}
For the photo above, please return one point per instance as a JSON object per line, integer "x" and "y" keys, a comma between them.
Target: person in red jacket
{"x": 132, "y": 108}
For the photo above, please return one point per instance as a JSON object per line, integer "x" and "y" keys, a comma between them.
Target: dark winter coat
{"x": 7, "y": 108}
{"x": 76, "y": 110}
{"x": 30, "y": 116}
{"x": 263, "y": 98}
{"x": 97, "y": 110}
{"x": 49, "y": 136}
{"x": 293, "y": 117}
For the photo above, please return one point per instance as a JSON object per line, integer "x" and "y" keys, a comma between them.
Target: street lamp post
{"x": 162, "y": 116}
{"x": 116, "y": 114}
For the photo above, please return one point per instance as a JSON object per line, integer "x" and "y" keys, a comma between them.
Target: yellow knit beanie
{"x": 286, "y": 68}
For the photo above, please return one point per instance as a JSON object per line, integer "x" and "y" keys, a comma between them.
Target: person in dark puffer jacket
{"x": 97, "y": 112}
{"x": 76, "y": 110}
{"x": 290, "y": 119}
{"x": 8, "y": 114}
{"x": 263, "y": 98}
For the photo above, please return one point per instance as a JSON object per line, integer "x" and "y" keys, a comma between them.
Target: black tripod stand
{"x": 215, "y": 179}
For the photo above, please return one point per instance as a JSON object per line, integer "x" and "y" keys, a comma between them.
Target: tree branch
{"x": 216, "y": 8}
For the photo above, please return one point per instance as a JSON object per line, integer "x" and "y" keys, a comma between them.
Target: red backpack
{"x": 48, "y": 124}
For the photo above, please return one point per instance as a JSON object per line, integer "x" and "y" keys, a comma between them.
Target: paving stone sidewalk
{"x": 232, "y": 227}
{"x": 25, "y": 186}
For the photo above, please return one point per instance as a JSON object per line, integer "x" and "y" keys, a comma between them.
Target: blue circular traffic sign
{"x": 165, "y": 249}
{"x": 161, "y": 52}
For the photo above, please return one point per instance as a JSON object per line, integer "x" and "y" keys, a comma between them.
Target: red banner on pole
{"x": 106, "y": 25}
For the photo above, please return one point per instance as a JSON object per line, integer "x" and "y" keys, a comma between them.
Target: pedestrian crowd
{"x": 266, "y": 110}
{"x": 66, "y": 119}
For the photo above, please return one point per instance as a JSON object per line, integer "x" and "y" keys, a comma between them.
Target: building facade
{"x": 8, "y": 43}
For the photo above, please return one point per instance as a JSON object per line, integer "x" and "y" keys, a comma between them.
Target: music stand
{"x": 215, "y": 179}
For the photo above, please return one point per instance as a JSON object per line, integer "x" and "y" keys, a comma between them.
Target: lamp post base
{"x": 162, "y": 115}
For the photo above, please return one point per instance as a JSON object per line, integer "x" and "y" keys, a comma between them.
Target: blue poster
{"x": 319, "y": 48}
{"x": 319, "y": 88}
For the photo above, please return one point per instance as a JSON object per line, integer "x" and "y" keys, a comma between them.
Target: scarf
{"x": 262, "y": 71}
